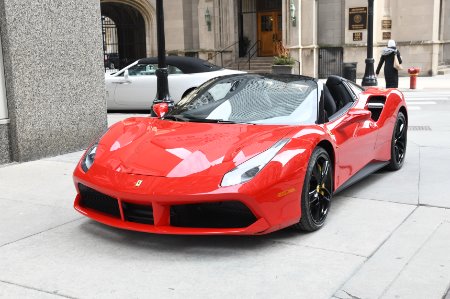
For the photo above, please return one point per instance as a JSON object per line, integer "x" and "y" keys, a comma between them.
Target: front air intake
{"x": 225, "y": 214}
{"x": 99, "y": 202}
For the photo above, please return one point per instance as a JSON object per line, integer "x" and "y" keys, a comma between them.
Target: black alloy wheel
{"x": 398, "y": 143}
{"x": 317, "y": 191}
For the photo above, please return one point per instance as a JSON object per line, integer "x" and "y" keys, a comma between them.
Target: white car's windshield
{"x": 257, "y": 99}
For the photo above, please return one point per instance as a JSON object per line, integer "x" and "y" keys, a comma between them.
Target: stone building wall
{"x": 52, "y": 54}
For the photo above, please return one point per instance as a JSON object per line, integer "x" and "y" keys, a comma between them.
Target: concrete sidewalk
{"x": 423, "y": 83}
{"x": 386, "y": 237}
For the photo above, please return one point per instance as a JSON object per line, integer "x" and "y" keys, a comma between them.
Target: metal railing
{"x": 298, "y": 62}
{"x": 251, "y": 52}
{"x": 221, "y": 53}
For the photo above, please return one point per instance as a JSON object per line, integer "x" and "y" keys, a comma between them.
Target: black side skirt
{"x": 367, "y": 170}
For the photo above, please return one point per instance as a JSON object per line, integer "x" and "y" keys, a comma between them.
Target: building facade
{"x": 321, "y": 34}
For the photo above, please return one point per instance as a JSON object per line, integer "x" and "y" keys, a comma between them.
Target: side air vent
{"x": 375, "y": 105}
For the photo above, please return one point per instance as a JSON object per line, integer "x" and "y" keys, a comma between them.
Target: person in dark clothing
{"x": 387, "y": 57}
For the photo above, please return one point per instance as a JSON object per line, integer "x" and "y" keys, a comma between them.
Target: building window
{"x": 3, "y": 107}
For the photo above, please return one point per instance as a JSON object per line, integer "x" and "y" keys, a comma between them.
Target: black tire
{"x": 398, "y": 143}
{"x": 317, "y": 191}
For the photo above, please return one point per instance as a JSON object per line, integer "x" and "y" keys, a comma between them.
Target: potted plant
{"x": 283, "y": 63}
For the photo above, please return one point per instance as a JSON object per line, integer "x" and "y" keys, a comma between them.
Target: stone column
{"x": 308, "y": 40}
{"x": 4, "y": 120}
{"x": 52, "y": 53}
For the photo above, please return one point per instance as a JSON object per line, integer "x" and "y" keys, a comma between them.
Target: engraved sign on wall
{"x": 386, "y": 24}
{"x": 357, "y": 36}
{"x": 386, "y": 35}
{"x": 357, "y": 18}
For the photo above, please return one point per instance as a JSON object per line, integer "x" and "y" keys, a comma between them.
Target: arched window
{"x": 3, "y": 107}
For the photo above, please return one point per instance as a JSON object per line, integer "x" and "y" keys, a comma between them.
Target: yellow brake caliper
{"x": 320, "y": 189}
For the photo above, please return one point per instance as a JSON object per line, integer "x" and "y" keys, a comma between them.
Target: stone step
{"x": 257, "y": 65}
{"x": 254, "y": 70}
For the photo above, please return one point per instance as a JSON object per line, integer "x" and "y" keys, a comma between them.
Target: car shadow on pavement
{"x": 180, "y": 243}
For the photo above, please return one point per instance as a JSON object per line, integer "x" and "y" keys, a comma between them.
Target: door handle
{"x": 122, "y": 82}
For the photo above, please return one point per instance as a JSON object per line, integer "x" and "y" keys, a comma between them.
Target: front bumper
{"x": 163, "y": 205}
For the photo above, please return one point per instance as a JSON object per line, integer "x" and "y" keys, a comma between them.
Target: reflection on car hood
{"x": 150, "y": 146}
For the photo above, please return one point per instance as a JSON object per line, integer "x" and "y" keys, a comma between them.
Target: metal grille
{"x": 110, "y": 37}
{"x": 419, "y": 128}
{"x": 138, "y": 213}
{"x": 330, "y": 61}
{"x": 99, "y": 202}
{"x": 248, "y": 6}
{"x": 268, "y": 5}
{"x": 110, "y": 43}
{"x": 225, "y": 214}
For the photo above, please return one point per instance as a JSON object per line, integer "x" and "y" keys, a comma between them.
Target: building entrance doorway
{"x": 124, "y": 36}
{"x": 269, "y": 32}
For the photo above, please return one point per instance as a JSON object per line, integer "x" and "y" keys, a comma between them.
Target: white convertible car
{"x": 134, "y": 87}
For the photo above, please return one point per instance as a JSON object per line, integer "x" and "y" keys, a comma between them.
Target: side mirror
{"x": 161, "y": 109}
{"x": 359, "y": 115}
{"x": 126, "y": 75}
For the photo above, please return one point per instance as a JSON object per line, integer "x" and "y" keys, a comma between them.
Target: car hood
{"x": 154, "y": 147}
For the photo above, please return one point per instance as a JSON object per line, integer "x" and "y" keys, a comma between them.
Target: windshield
{"x": 249, "y": 98}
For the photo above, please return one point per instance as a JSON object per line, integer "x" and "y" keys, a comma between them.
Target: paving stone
{"x": 41, "y": 182}
{"x": 14, "y": 291}
{"x": 23, "y": 219}
{"x": 354, "y": 226}
{"x": 89, "y": 260}
{"x": 427, "y": 275}
{"x": 434, "y": 178}
{"x": 404, "y": 247}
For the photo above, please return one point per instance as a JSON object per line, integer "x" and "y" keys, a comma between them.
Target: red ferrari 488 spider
{"x": 242, "y": 154}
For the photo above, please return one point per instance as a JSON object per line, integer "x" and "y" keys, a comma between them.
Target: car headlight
{"x": 249, "y": 169}
{"x": 89, "y": 158}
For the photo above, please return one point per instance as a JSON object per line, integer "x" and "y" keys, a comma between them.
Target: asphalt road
{"x": 386, "y": 237}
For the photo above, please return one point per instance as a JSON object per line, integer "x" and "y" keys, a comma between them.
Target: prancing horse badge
{"x": 138, "y": 183}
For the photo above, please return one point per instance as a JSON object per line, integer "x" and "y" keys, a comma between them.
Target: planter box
{"x": 282, "y": 69}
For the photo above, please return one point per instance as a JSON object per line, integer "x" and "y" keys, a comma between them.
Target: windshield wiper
{"x": 176, "y": 117}
{"x": 191, "y": 118}
{"x": 216, "y": 121}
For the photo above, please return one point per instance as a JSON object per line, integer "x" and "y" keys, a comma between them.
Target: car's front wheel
{"x": 398, "y": 143}
{"x": 317, "y": 191}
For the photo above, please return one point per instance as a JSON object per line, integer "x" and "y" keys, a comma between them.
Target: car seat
{"x": 329, "y": 103}
{"x": 338, "y": 91}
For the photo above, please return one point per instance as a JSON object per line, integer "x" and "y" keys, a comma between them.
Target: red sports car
{"x": 242, "y": 154}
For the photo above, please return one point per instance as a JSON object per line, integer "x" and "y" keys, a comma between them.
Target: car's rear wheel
{"x": 398, "y": 143}
{"x": 317, "y": 191}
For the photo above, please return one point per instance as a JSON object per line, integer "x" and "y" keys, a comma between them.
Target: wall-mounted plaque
{"x": 386, "y": 35}
{"x": 357, "y": 18}
{"x": 386, "y": 24}
{"x": 357, "y": 36}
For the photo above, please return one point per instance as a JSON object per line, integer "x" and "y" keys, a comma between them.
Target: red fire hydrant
{"x": 413, "y": 73}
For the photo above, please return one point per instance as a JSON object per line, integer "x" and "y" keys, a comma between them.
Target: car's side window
{"x": 174, "y": 70}
{"x": 142, "y": 70}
